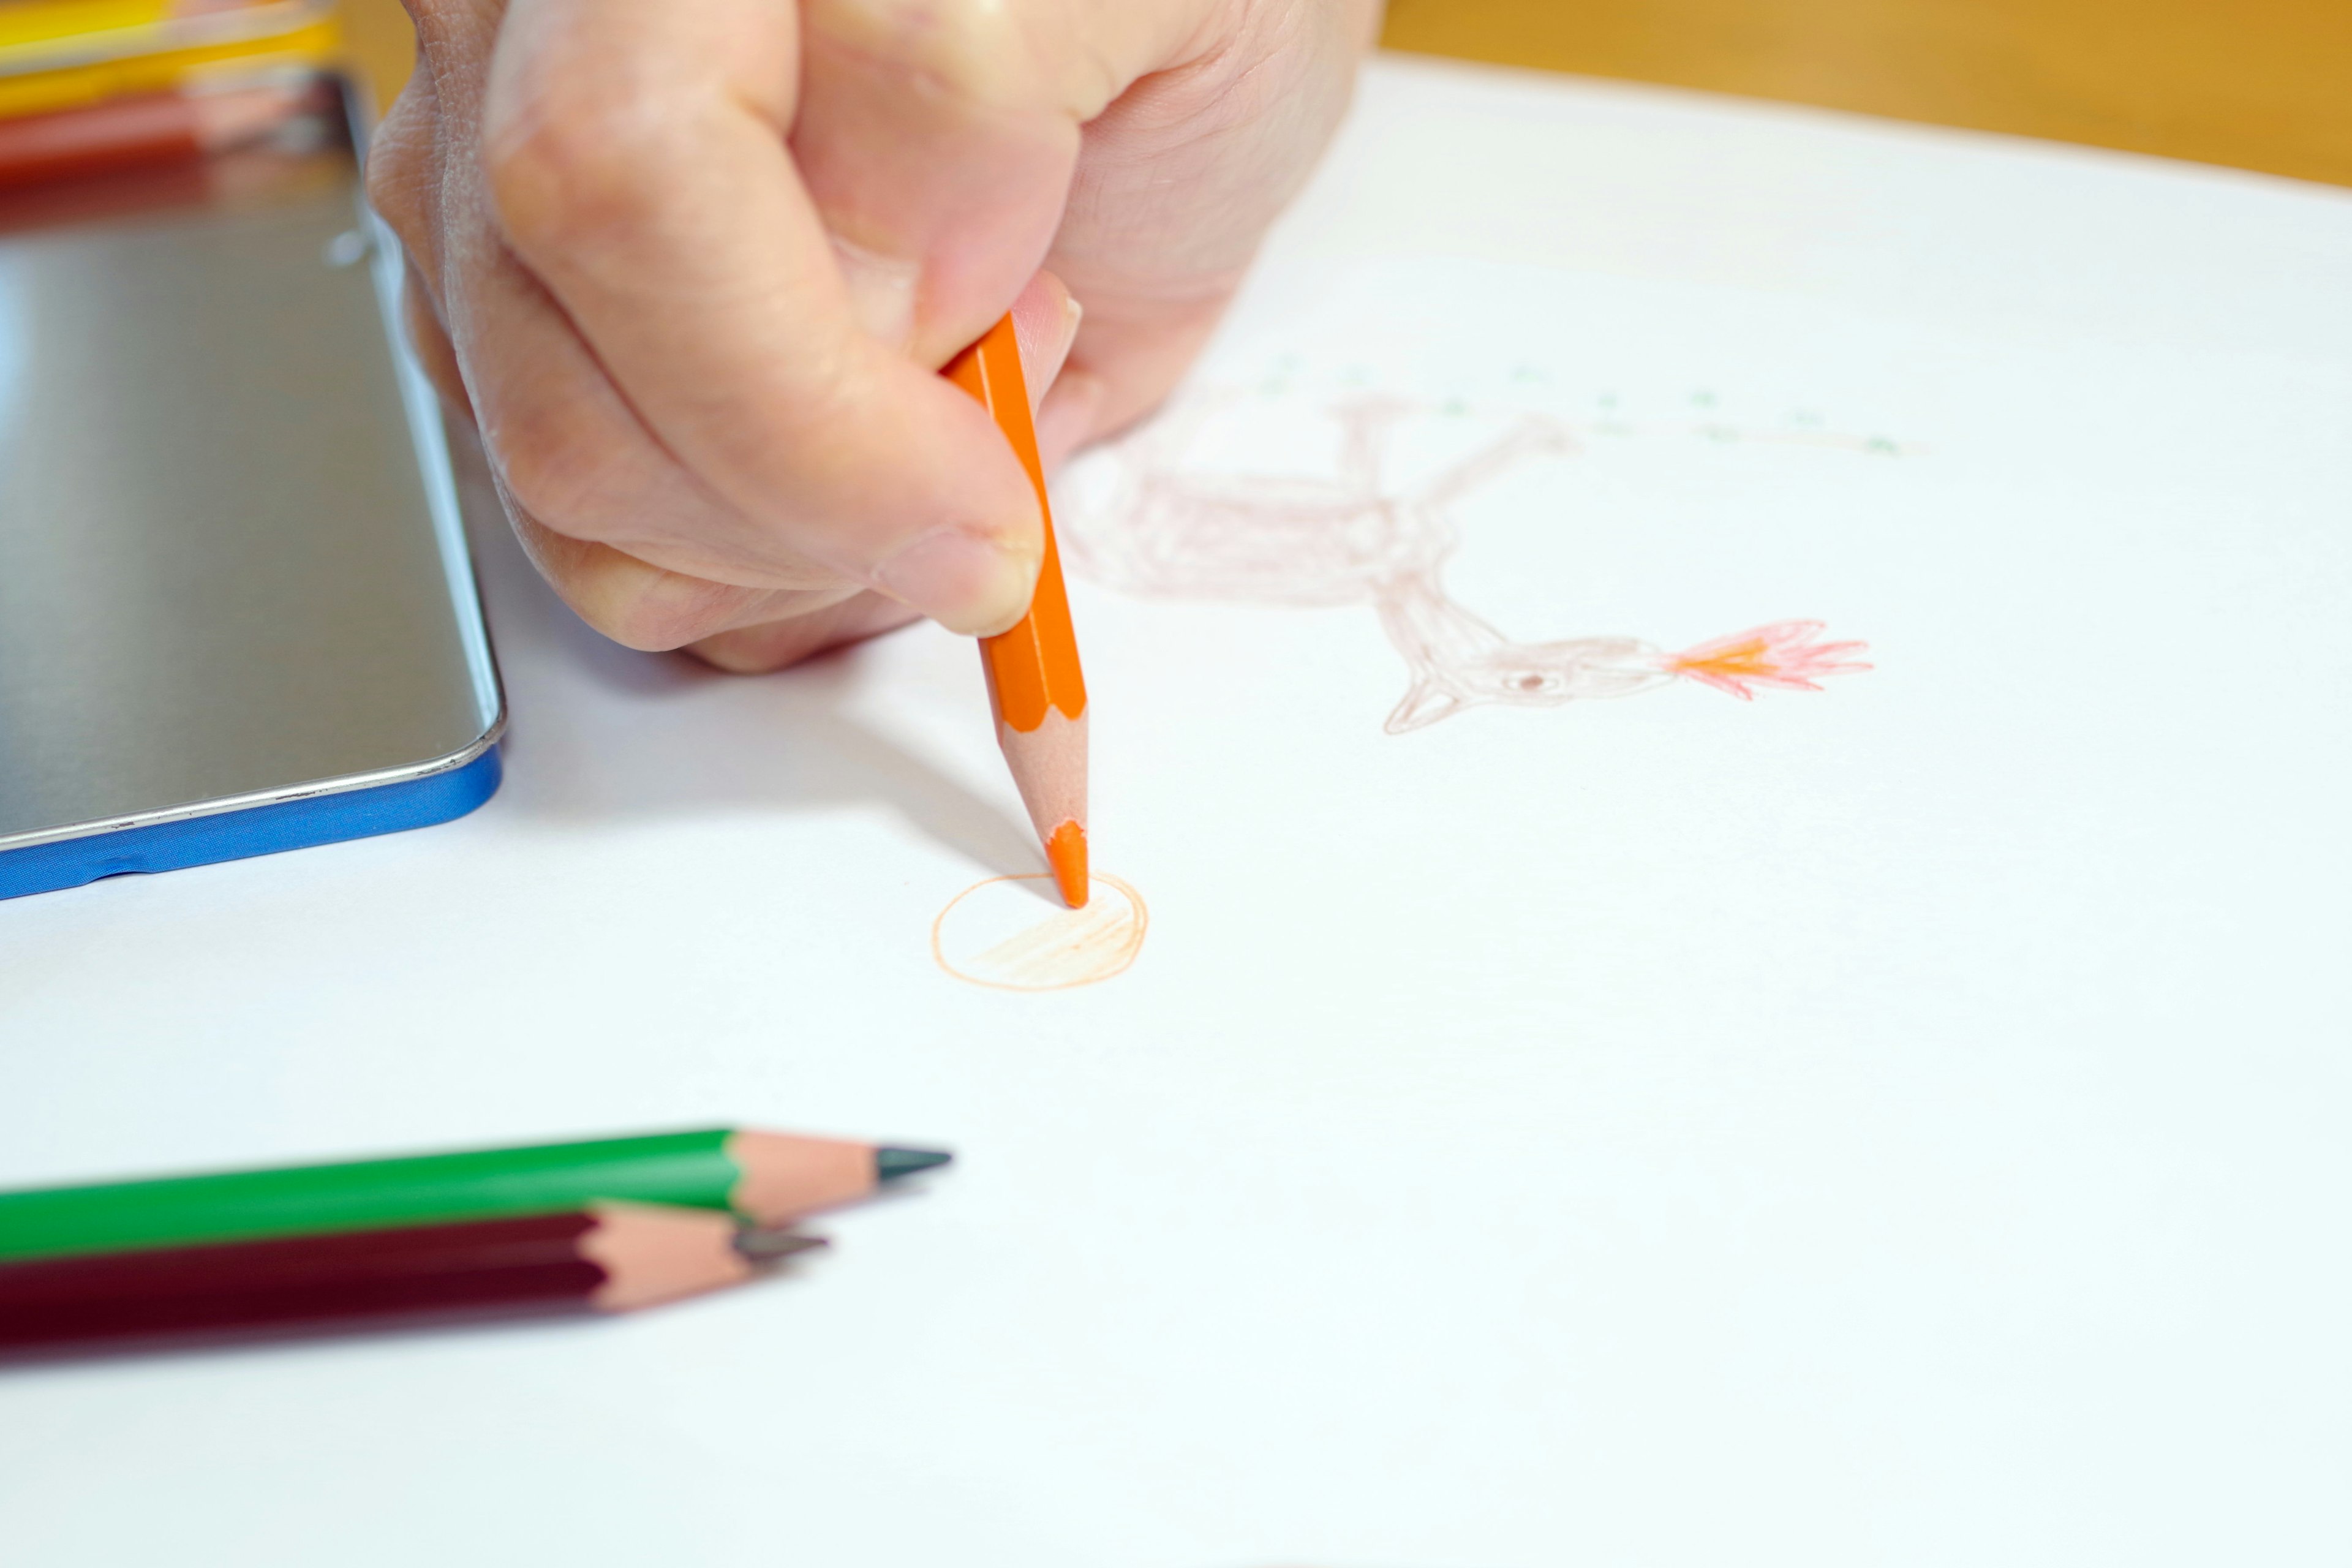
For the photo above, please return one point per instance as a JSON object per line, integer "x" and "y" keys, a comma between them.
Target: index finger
{"x": 636, "y": 158}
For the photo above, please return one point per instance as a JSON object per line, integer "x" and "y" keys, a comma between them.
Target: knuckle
{"x": 803, "y": 630}
{"x": 395, "y": 175}
{"x": 431, "y": 346}
{"x": 632, "y": 602}
{"x": 552, "y": 460}
{"x": 562, "y": 168}
{"x": 973, "y": 51}
{"x": 749, "y": 651}
{"x": 654, "y": 611}
{"x": 443, "y": 25}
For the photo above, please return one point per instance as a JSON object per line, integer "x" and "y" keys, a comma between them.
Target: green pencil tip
{"x": 889, "y": 1164}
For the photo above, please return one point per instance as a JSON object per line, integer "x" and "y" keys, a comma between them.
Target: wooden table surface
{"x": 2260, "y": 84}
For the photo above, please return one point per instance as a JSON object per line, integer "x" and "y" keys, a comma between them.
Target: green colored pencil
{"x": 765, "y": 1177}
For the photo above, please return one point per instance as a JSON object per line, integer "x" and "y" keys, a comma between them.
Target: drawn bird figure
{"x": 1171, "y": 532}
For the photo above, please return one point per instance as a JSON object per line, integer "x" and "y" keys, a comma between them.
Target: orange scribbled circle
{"x": 1064, "y": 950}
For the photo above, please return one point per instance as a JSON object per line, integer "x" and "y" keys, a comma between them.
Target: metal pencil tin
{"x": 237, "y": 610}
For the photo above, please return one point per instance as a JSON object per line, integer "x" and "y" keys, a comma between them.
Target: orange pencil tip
{"x": 1065, "y": 851}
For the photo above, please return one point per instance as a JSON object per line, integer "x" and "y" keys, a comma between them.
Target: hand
{"x": 692, "y": 265}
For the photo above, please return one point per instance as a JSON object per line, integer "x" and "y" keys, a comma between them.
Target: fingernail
{"x": 881, "y": 291}
{"x": 969, "y": 585}
{"x": 1050, "y": 366}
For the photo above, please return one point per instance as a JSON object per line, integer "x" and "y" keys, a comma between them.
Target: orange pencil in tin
{"x": 1035, "y": 685}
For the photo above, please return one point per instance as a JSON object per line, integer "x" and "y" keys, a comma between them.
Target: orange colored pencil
{"x": 1035, "y": 686}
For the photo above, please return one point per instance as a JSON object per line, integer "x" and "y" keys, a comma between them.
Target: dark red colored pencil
{"x": 146, "y": 129}
{"x": 607, "y": 1257}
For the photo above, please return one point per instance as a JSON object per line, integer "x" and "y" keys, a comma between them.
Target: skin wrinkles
{"x": 690, "y": 268}
{"x": 1071, "y": 58}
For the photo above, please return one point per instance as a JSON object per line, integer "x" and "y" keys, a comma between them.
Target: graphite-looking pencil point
{"x": 761, "y": 1246}
{"x": 889, "y": 1164}
{"x": 1067, "y": 852}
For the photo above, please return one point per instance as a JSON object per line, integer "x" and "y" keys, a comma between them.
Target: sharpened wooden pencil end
{"x": 1067, "y": 852}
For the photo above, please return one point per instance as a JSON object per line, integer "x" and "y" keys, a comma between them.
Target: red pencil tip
{"x": 1067, "y": 852}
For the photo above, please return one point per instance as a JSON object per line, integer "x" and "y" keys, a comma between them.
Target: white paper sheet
{"x": 1896, "y": 1123}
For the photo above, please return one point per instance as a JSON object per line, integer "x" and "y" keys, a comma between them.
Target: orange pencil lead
{"x": 1067, "y": 851}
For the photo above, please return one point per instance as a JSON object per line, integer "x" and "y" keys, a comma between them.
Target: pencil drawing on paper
{"x": 1172, "y": 532}
{"x": 1003, "y": 935}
